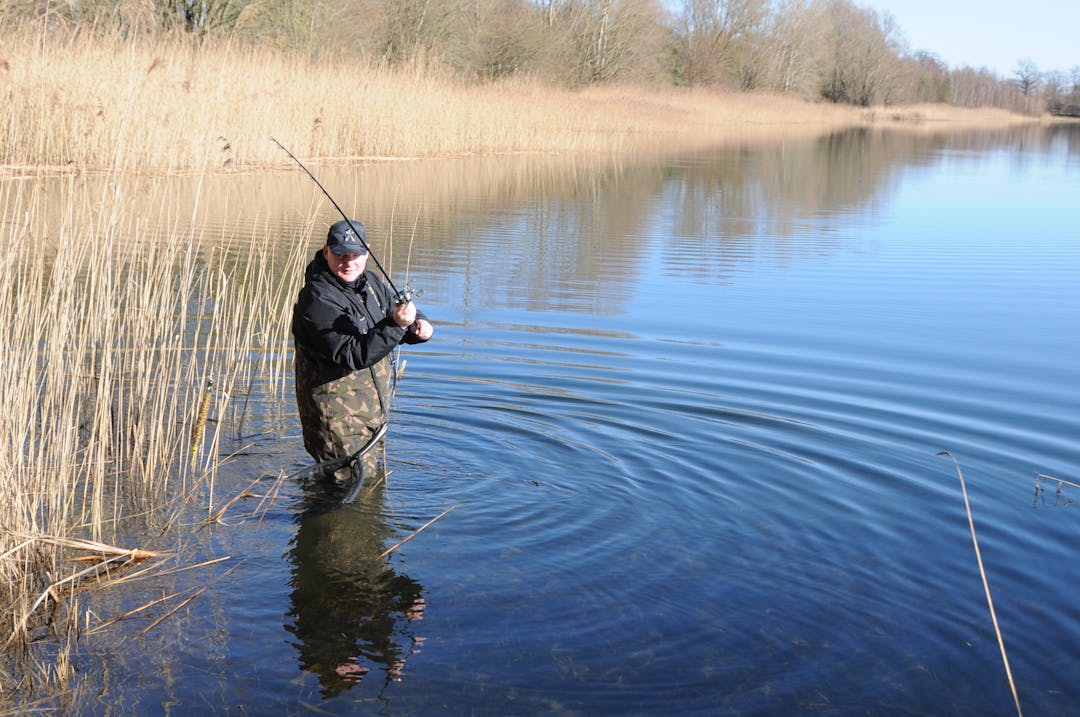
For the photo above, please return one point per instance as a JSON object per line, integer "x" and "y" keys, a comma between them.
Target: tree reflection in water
{"x": 352, "y": 613}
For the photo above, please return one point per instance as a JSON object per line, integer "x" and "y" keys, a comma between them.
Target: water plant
{"x": 113, "y": 321}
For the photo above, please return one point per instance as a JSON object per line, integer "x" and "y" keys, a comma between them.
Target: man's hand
{"x": 423, "y": 329}
{"x": 405, "y": 314}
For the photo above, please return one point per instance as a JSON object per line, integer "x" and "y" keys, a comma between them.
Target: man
{"x": 345, "y": 325}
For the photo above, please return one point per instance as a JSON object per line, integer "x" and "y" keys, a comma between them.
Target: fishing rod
{"x": 401, "y": 297}
{"x": 324, "y": 471}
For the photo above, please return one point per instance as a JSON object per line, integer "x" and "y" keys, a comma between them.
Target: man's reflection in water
{"x": 351, "y": 612}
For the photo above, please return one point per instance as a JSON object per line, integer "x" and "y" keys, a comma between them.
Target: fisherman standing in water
{"x": 346, "y": 323}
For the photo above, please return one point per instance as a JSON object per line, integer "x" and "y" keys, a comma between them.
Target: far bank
{"x": 84, "y": 103}
{"x": 88, "y": 104}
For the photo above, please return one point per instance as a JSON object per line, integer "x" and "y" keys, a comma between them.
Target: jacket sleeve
{"x": 324, "y": 325}
{"x": 412, "y": 338}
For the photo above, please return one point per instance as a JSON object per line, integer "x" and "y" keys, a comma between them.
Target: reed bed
{"x": 90, "y": 101}
{"x": 112, "y": 323}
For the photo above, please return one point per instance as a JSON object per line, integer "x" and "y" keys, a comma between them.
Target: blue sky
{"x": 996, "y": 34}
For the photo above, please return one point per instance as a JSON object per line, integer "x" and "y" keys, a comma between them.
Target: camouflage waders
{"x": 345, "y": 335}
{"x": 340, "y": 416}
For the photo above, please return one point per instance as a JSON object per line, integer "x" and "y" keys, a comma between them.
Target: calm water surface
{"x": 686, "y": 413}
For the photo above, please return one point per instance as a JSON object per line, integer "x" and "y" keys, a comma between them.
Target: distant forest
{"x": 831, "y": 50}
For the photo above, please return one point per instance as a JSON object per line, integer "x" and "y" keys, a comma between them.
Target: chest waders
{"x": 340, "y": 416}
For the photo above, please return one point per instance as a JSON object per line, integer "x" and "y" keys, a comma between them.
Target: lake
{"x": 686, "y": 414}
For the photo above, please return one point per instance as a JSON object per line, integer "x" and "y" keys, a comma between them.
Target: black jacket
{"x": 344, "y": 327}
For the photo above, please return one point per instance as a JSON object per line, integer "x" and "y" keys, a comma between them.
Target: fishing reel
{"x": 407, "y": 294}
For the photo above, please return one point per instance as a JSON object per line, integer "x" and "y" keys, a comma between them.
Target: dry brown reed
{"x": 985, "y": 582}
{"x": 933, "y": 116}
{"x": 112, "y": 321}
{"x": 102, "y": 558}
{"x": 265, "y": 500}
{"x": 413, "y": 534}
{"x": 89, "y": 101}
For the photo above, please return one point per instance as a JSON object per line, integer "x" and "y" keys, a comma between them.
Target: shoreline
{"x": 917, "y": 118}
{"x": 168, "y": 108}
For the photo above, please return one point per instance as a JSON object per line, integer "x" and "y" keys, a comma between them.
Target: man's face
{"x": 347, "y": 267}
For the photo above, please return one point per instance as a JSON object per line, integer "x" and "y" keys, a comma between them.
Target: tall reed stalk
{"x": 112, "y": 321}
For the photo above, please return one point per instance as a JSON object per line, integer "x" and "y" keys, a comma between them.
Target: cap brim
{"x": 340, "y": 249}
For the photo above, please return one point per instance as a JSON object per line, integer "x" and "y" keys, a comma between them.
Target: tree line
{"x": 830, "y": 50}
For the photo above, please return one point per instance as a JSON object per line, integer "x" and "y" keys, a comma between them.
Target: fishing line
{"x": 401, "y": 297}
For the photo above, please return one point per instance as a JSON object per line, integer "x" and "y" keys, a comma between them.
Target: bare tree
{"x": 607, "y": 39}
{"x": 1027, "y": 77}
{"x": 925, "y": 78}
{"x": 835, "y": 49}
{"x": 718, "y": 37}
{"x": 865, "y": 49}
{"x": 794, "y": 47}
{"x": 489, "y": 39}
{"x": 1054, "y": 84}
{"x": 200, "y": 17}
{"x": 1071, "y": 103}
{"x": 978, "y": 88}
{"x": 507, "y": 38}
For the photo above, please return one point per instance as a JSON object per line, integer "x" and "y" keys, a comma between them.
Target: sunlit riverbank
{"x": 86, "y": 103}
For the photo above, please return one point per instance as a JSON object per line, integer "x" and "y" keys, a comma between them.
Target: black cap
{"x": 347, "y": 237}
